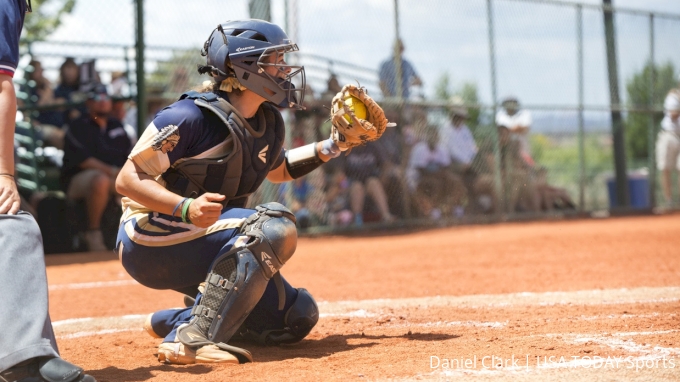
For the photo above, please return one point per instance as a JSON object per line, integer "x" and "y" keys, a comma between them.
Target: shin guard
{"x": 239, "y": 277}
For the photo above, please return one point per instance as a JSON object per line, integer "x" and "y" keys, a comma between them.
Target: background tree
{"x": 45, "y": 19}
{"x": 637, "y": 124}
{"x": 466, "y": 91}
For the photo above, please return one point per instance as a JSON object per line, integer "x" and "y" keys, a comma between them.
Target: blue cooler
{"x": 638, "y": 190}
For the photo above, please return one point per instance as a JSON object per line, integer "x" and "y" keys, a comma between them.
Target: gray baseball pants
{"x": 25, "y": 326}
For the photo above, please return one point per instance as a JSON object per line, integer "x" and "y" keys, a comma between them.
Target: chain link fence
{"x": 468, "y": 58}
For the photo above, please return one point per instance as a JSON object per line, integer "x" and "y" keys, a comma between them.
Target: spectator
{"x": 120, "y": 85}
{"x": 435, "y": 187}
{"x": 337, "y": 199}
{"x": 41, "y": 94}
{"x": 668, "y": 143}
{"x": 119, "y": 111}
{"x": 460, "y": 144}
{"x": 95, "y": 148}
{"x": 47, "y": 123}
{"x": 332, "y": 87}
{"x": 388, "y": 74}
{"x": 68, "y": 90}
{"x": 294, "y": 195}
{"x": 458, "y": 140}
{"x": 517, "y": 122}
{"x": 363, "y": 168}
{"x": 516, "y": 176}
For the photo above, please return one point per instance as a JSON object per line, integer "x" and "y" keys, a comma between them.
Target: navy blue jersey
{"x": 85, "y": 139}
{"x": 11, "y": 21}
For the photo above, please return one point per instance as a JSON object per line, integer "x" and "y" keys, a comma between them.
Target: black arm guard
{"x": 301, "y": 161}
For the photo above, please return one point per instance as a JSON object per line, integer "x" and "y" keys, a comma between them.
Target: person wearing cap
{"x": 518, "y": 122}
{"x": 668, "y": 143}
{"x": 95, "y": 148}
{"x": 457, "y": 138}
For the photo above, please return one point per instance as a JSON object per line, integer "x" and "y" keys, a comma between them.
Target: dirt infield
{"x": 569, "y": 300}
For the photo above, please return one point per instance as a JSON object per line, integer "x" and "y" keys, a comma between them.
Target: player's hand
{"x": 205, "y": 211}
{"x": 9, "y": 196}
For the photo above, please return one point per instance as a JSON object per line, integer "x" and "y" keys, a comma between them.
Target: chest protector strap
{"x": 194, "y": 177}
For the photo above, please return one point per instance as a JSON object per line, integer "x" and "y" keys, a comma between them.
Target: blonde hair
{"x": 231, "y": 84}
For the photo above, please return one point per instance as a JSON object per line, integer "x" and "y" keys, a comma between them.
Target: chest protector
{"x": 240, "y": 172}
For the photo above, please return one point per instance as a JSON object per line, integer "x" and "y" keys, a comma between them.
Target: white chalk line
{"x": 372, "y": 308}
{"x": 94, "y": 284}
{"x": 586, "y": 297}
{"x": 95, "y": 333}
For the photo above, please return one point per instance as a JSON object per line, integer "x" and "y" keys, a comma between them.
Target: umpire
{"x": 28, "y": 349}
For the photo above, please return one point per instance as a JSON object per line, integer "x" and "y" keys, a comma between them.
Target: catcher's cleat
{"x": 148, "y": 328}
{"x": 177, "y": 353}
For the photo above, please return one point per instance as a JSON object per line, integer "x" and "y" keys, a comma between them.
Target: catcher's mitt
{"x": 347, "y": 134}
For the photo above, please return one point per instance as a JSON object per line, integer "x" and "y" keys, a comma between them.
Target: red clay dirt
{"x": 494, "y": 282}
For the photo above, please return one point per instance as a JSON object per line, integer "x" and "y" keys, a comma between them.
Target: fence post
{"x": 139, "y": 59}
{"x": 618, "y": 134}
{"x": 581, "y": 132}
{"x": 397, "y": 54}
{"x": 651, "y": 147}
{"x": 498, "y": 183}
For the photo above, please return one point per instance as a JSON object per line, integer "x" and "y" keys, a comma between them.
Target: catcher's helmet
{"x": 242, "y": 49}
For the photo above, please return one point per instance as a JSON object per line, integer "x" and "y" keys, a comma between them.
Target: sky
{"x": 535, "y": 43}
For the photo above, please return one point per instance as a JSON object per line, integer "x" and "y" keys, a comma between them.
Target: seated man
{"x": 518, "y": 123}
{"x": 520, "y": 192}
{"x": 95, "y": 148}
{"x": 457, "y": 139}
{"x": 435, "y": 187}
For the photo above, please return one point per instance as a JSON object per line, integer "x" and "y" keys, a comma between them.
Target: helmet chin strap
{"x": 202, "y": 69}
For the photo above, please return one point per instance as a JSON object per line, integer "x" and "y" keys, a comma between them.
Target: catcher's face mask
{"x": 285, "y": 76}
{"x": 252, "y": 51}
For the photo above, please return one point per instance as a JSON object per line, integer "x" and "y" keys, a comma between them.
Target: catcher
{"x": 186, "y": 183}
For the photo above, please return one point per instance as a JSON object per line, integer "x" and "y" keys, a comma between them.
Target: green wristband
{"x": 185, "y": 210}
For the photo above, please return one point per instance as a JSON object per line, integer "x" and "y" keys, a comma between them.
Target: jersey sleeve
{"x": 168, "y": 137}
{"x": 11, "y": 22}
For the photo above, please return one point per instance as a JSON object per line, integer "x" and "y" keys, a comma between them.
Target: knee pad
{"x": 298, "y": 322}
{"x": 302, "y": 316}
{"x": 238, "y": 278}
{"x": 273, "y": 235}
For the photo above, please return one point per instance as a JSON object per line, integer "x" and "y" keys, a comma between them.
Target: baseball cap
{"x": 98, "y": 92}
{"x": 672, "y": 102}
{"x": 510, "y": 101}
